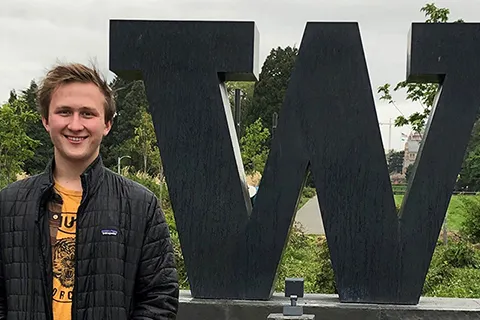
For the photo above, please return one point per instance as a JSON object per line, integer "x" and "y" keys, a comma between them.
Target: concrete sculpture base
{"x": 325, "y": 307}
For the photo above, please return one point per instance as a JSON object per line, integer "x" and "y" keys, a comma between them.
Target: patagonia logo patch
{"x": 109, "y": 232}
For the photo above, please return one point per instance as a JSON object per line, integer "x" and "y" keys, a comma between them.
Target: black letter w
{"x": 328, "y": 123}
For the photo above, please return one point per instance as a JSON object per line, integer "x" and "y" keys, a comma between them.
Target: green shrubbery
{"x": 471, "y": 225}
{"x": 454, "y": 270}
{"x": 307, "y": 257}
{"x": 463, "y": 283}
{"x": 299, "y": 258}
{"x": 325, "y": 276}
{"x": 455, "y": 267}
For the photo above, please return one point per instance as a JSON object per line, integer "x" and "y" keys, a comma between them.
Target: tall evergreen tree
{"x": 131, "y": 101}
{"x": 395, "y": 161}
{"x": 13, "y": 96}
{"x": 269, "y": 91}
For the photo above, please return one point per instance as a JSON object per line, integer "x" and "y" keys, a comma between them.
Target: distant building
{"x": 412, "y": 146}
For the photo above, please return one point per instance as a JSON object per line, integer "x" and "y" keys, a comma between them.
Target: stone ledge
{"x": 326, "y": 307}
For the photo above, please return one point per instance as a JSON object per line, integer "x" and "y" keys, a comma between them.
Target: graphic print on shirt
{"x": 63, "y": 218}
{"x": 63, "y": 253}
{"x": 64, "y": 262}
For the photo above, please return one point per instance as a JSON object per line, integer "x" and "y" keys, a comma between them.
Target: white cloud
{"x": 35, "y": 34}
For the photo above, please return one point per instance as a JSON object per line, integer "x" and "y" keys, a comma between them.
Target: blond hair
{"x": 70, "y": 73}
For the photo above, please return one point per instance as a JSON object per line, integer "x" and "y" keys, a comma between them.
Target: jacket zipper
{"x": 48, "y": 293}
{"x": 75, "y": 284}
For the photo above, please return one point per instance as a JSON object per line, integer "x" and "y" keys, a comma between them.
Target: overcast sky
{"x": 35, "y": 34}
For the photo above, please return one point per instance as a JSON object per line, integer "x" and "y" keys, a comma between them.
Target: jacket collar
{"x": 91, "y": 177}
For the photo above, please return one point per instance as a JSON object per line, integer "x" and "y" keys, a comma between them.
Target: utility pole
{"x": 118, "y": 162}
{"x": 238, "y": 111}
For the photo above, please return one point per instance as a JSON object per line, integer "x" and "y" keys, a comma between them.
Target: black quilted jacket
{"x": 128, "y": 276}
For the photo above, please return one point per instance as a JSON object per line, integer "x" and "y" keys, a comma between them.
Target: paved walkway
{"x": 310, "y": 218}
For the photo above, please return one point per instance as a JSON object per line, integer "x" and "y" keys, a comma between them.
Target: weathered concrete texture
{"x": 280, "y": 316}
{"x": 327, "y": 307}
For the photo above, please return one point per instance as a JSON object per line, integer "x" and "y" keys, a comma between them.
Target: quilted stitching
{"x": 114, "y": 273}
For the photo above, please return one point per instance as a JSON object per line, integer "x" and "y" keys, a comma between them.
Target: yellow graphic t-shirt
{"x": 63, "y": 218}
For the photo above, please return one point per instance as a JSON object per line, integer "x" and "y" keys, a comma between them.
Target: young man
{"x": 79, "y": 241}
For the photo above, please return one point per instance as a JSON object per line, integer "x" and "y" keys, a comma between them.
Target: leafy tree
{"x": 16, "y": 146}
{"x": 146, "y": 139}
{"x": 132, "y": 132}
{"x": 469, "y": 177}
{"x": 253, "y": 146}
{"x": 269, "y": 91}
{"x": 395, "y": 161}
{"x": 424, "y": 93}
{"x": 144, "y": 146}
{"x": 132, "y": 129}
{"x": 131, "y": 102}
{"x": 35, "y": 130}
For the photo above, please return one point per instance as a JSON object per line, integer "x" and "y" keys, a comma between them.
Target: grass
{"x": 455, "y": 216}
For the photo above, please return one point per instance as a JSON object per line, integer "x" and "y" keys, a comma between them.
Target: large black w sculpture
{"x": 328, "y": 123}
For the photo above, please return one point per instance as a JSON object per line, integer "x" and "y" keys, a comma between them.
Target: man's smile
{"x": 75, "y": 139}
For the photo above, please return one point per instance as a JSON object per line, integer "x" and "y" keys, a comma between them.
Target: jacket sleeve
{"x": 3, "y": 298}
{"x": 156, "y": 287}
{"x": 3, "y": 295}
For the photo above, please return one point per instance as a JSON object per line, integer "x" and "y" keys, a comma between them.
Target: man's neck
{"x": 67, "y": 173}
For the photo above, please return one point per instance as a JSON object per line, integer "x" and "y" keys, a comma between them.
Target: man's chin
{"x": 78, "y": 157}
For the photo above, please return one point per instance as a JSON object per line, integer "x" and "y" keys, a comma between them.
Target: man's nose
{"x": 75, "y": 123}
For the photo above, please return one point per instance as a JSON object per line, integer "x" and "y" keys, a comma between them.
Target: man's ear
{"x": 108, "y": 127}
{"x": 45, "y": 124}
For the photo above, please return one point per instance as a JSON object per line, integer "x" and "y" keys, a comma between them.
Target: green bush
{"x": 460, "y": 254}
{"x": 309, "y": 192}
{"x": 151, "y": 183}
{"x": 299, "y": 260}
{"x": 180, "y": 262}
{"x": 454, "y": 270}
{"x": 448, "y": 263}
{"x": 440, "y": 271}
{"x": 307, "y": 257}
{"x": 325, "y": 281}
{"x": 471, "y": 225}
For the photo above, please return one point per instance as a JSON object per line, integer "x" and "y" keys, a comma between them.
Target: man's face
{"x": 76, "y": 122}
